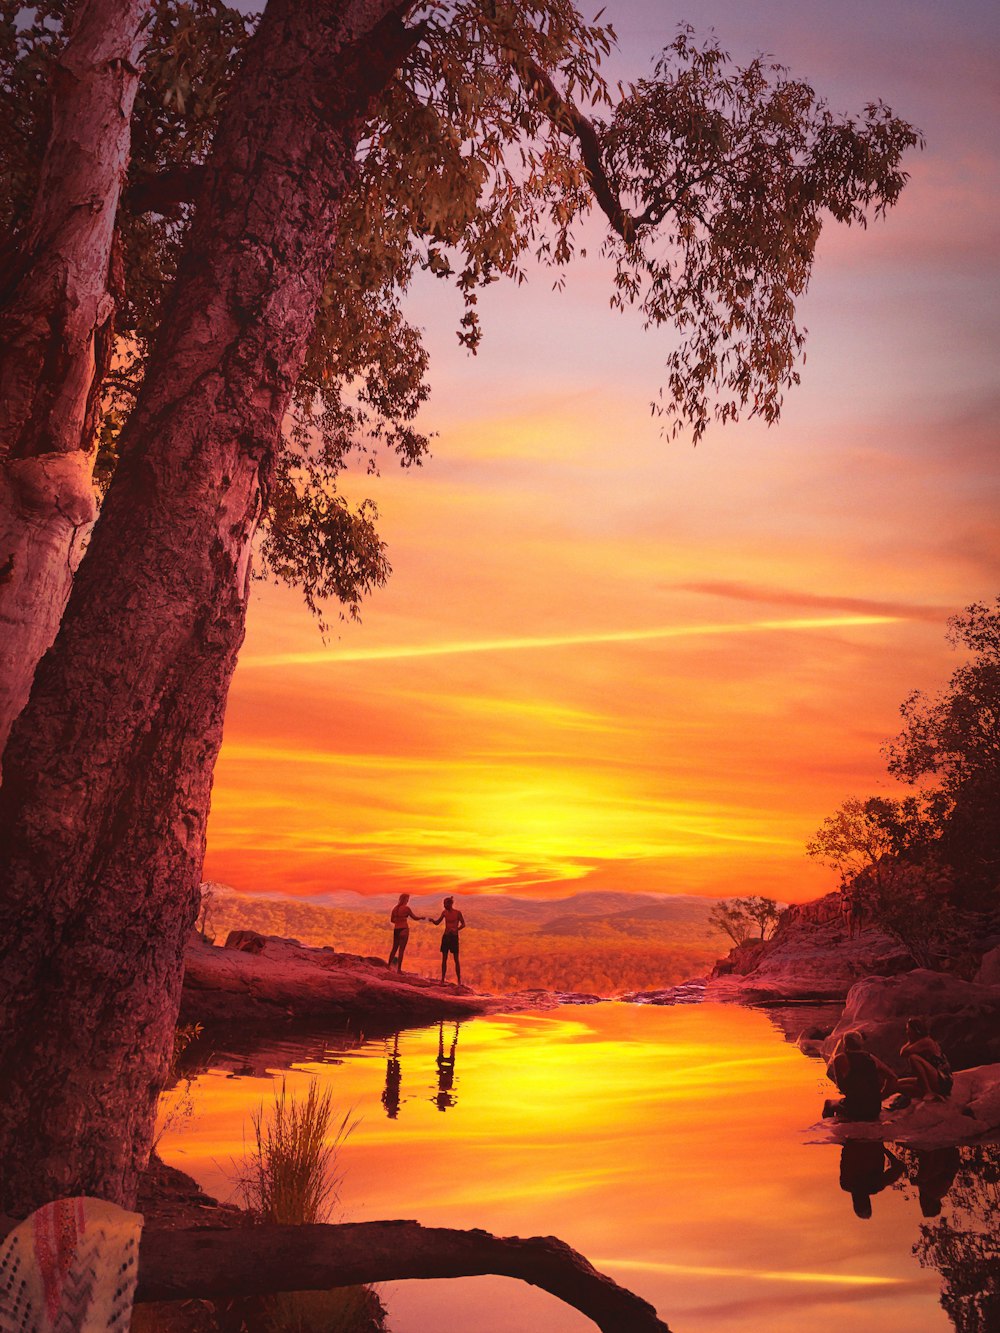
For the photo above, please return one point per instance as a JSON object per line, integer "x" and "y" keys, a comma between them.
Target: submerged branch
{"x": 255, "y": 1261}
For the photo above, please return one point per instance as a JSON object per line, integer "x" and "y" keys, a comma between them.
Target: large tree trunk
{"x": 56, "y": 312}
{"x": 108, "y": 771}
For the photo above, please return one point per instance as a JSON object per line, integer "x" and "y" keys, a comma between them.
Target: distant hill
{"x": 601, "y": 942}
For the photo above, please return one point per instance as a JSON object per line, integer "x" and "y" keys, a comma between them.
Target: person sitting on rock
{"x": 861, "y": 1077}
{"x": 401, "y": 916}
{"x": 931, "y": 1076}
{"x": 454, "y": 921}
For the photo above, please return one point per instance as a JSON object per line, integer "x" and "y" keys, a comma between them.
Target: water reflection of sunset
{"x": 665, "y": 1143}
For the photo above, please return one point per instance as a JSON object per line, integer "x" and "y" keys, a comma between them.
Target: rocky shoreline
{"x": 266, "y": 980}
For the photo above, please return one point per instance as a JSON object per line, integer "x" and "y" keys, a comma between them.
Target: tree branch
{"x": 255, "y": 1261}
{"x": 569, "y": 118}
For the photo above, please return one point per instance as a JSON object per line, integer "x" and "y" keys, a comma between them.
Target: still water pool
{"x": 669, "y": 1145}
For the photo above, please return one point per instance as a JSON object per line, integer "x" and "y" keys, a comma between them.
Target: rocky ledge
{"x": 257, "y": 978}
{"x": 963, "y": 1016}
{"x": 808, "y": 960}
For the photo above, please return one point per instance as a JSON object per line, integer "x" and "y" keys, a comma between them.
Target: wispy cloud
{"x": 795, "y": 597}
{"x": 529, "y": 642}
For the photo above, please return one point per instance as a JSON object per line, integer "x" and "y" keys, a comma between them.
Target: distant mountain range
{"x": 603, "y": 942}
{"x": 490, "y": 907}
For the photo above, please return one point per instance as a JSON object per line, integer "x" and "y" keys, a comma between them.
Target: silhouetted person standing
{"x": 454, "y": 921}
{"x": 401, "y": 916}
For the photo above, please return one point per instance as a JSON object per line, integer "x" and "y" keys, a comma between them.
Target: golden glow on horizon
{"x": 487, "y": 765}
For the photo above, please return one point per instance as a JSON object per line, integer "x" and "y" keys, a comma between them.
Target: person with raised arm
{"x": 454, "y": 922}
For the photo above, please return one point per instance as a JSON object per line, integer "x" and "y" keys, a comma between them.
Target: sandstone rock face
{"x": 989, "y": 968}
{"x": 282, "y": 979}
{"x": 809, "y": 959}
{"x": 963, "y": 1016}
{"x": 970, "y": 1115}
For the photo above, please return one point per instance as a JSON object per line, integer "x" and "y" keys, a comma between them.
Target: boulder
{"x": 970, "y": 1115}
{"x": 962, "y": 1016}
{"x": 247, "y": 941}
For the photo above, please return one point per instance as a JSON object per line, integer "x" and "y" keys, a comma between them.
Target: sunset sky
{"x": 608, "y": 660}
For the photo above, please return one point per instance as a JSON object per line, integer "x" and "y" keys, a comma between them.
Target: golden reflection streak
{"x": 558, "y": 641}
{"x": 763, "y": 1274}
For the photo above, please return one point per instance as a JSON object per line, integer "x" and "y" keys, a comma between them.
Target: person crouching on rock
{"x": 931, "y": 1076}
{"x": 401, "y": 916}
{"x": 454, "y": 921}
{"x": 861, "y": 1077}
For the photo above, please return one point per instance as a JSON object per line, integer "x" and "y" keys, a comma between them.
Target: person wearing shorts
{"x": 454, "y": 921}
{"x": 401, "y": 916}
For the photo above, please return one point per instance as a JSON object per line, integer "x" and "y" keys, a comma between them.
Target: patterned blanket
{"x": 70, "y": 1267}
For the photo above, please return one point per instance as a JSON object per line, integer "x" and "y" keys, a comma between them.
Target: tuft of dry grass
{"x": 289, "y": 1174}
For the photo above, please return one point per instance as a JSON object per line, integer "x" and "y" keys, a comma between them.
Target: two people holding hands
{"x": 454, "y": 922}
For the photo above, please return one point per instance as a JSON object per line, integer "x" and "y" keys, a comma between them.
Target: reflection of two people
{"x": 445, "y": 1096}
{"x": 867, "y": 1167}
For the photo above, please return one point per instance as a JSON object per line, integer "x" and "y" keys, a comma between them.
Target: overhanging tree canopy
{"x": 489, "y": 147}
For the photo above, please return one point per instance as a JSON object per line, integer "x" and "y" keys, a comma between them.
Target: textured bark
{"x": 56, "y": 311}
{"x": 108, "y": 771}
{"x": 46, "y": 509}
{"x": 177, "y": 1265}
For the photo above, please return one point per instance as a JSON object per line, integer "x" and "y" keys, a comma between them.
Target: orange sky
{"x": 607, "y": 660}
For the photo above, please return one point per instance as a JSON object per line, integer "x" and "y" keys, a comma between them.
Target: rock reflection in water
{"x": 958, "y": 1191}
{"x": 963, "y": 1241}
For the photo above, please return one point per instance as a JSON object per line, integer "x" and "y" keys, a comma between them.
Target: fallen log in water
{"x": 254, "y": 1261}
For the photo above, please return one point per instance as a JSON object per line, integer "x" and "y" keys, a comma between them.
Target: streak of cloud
{"x": 755, "y": 1274}
{"x": 796, "y": 597}
{"x": 560, "y": 641}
